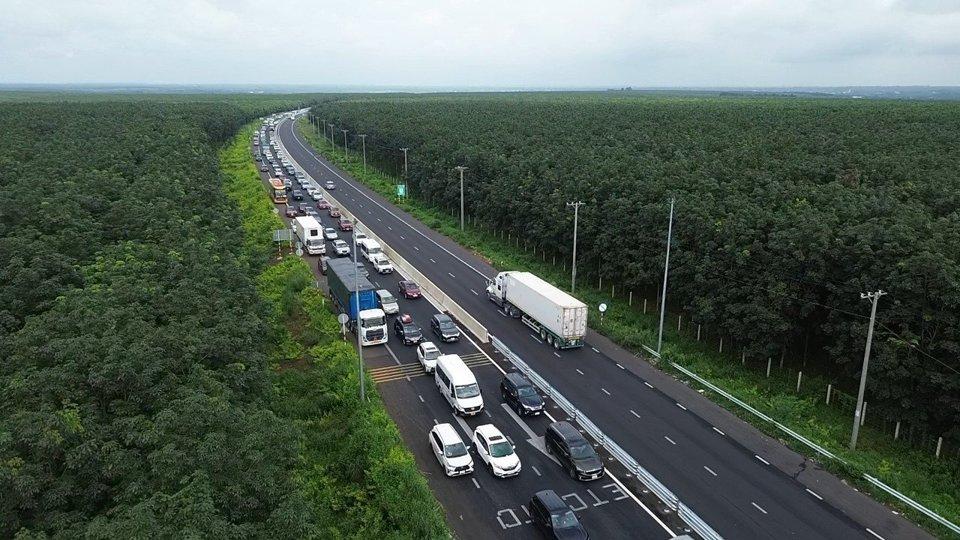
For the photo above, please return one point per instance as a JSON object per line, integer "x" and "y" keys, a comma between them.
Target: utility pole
{"x": 363, "y": 140}
{"x": 573, "y": 267}
{"x": 666, "y": 271}
{"x": 404, "y": 171}
{"x": 461, "y": 168}
{"x": 345, "y": 156}
{"x": 357, "y": 326}
{"x": 874, "y": 298}
{"x": 324, "y": 123}
{"x": 331, "y": 136}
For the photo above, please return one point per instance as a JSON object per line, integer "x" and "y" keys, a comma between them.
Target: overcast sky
{"x": 512, "y": 43}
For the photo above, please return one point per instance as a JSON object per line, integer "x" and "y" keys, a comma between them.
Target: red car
{"x": 291, "y": 211}
{"x": 345, "y": 225}
{"x": 334, "y": 212}
{"x": 409, "y": 289}
{"x": 323, "y": 204}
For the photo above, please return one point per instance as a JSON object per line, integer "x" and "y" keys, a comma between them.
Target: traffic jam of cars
{"x": 487, "y": 446}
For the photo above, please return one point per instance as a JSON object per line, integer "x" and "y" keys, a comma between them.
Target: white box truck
{"x": 310, "y": 234}
{"x": 559, "y": 319}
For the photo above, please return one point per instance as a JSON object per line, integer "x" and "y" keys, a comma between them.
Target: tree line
{"x": 786, "y": 210}
{"x": 135, "y": 395}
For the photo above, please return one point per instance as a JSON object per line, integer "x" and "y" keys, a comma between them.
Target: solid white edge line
{"x": 681, "y": 406}
{"x": 502, "y": 371}
{"x": 718, "y": 431}
{"x": 875, "y": 534}
{"x": 814, "y": 494}
{"x": 648, "y": 384}
{"x": 619, "y": 366}
{"x": 765, "y": 462}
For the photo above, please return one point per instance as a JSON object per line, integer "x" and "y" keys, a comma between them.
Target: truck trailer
{"x": 559, "y": 319}
{"x": 310, "y": 233}
{"x": 350, "y": 292}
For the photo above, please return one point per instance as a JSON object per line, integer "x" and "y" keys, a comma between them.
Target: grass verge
{"x": 931, "y": 482}
{"x": 359, "y": 479}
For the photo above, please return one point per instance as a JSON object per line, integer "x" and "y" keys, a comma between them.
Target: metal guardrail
{"x": 672, "y": 501}
{"x": 814, "y": 446}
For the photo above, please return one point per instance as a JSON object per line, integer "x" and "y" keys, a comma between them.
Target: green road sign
{"x": 401, "y": 190}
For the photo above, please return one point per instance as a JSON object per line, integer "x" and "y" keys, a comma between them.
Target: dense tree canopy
{"x": 132, "y": 364}
{"x": 787, "y": 209}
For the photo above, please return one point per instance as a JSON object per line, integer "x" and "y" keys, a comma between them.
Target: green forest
{"x": 139, "y": 335}
{"x": 786, "y": 210}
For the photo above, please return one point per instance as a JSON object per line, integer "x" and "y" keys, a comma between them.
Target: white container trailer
{"x": 560, "y": 319}
{"x": 310, "y": 234}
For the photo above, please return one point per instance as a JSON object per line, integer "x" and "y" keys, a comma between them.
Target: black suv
{"x": 554, "y": 518}
{"x": 297, "y": 195}
{"x": 520, "y": 395}
{"x": 573, "y": 451}
{"x": 443, "y": 326}
{"x": 407, "y": 330}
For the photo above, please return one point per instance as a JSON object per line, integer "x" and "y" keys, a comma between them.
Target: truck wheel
{"x": 550, "y": 340}
{"x": 556, "y": 344}
{"x": 543, "y": 335}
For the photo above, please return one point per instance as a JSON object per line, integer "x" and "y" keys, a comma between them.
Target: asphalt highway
{"x": 733, "y": 489}
{"x": 481, "y": 505}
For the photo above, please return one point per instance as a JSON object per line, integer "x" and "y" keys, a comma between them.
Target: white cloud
{"x": 483, "y": 43}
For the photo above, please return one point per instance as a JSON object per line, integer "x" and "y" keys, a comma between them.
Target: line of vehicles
{"x": 558, "y": 318}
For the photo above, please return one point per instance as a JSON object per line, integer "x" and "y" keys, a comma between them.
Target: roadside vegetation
{"x": 352, "y": 468}
{"x": 158, "y": 378}
{"x": 915, "y": 472}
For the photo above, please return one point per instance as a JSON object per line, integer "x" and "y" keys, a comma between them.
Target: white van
{"x": 458, "y": 385}
{"x": 369, "y": 248}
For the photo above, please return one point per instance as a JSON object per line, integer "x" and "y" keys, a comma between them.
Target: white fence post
{"x": 698, "y": 332}
{"x": 721, "y": 344}
{"x": 769, "y": 364}
{"x": 799, "y": 377}
{"x": 863, "y": 413}
{"x": 630, "y": 301}
{"x": 644, "y": 305}
{"x": 829, "y": 389}
{"x": 896, "y": 431}
{"x": 679, "y": 318}
{"x": 939, "y": 446}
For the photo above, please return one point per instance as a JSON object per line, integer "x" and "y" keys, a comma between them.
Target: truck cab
{"x": 373, "y": 327}
{"x": 370, "y": 248}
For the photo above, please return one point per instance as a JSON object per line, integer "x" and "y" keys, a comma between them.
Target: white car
{"x": 359, "y": 235}
{"x": 496, "y": 451}
{"x": 330, "y": 185}
{"x": 382, "y": 264}
{"x": 387, "y": 302}
{"x": 315, "y": 195}
{"x": 428, "y": 353}
{"x": 340, "y": 247}
{"x": 330, "y": 233}
{"x": 448, "y": 447}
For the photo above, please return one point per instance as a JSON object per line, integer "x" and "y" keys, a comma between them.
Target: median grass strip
{"x": 918, "y": 474}
{"x": 358, "y": 478}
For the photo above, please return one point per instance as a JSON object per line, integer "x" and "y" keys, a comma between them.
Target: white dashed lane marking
{"x": 669, "y": 439}
{"x": 757, "y": 506}
{"x": 814, "y": 494}
{"x": 604, "y": 390}
{"x": 765, "y": 462}
{"x": 648, "y": 384}
{"x": 681, "y": 406}
{"x": 580, "y": 372}
{"x": 709, "y": 470}
{"x": 718, "y": 431}
{"x": 633, "y": 412}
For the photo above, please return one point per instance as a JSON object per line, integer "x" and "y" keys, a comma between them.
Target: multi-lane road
{"x": 731, "y": 476}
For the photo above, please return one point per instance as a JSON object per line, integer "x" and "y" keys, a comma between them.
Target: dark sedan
{"x": 408, "y": 289}
{"x": 297, "y": 195}
{"x": 291, "y": 211}
{"x": 407, "y": 330}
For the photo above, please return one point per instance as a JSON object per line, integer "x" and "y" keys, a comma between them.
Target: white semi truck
{"x": 310, "y": 234}
{"x": 559, "y": 319}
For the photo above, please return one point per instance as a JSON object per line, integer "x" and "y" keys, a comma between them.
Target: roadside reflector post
{"x": 799, "y": 378}
{"x": 769, "y": 363}
{"x": 830, "y": 389}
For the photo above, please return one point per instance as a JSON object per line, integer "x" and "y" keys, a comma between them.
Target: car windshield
{"x": 410, "y": 286}
{"x": 501, "y": 449}
{"x": 455, "y": 450}
{"x": 431, "y": 354}
{"x": 564, "y": 520}
{"x": 468, "y": 391}
{"x": 373, "y": 321}
{"x": 581, "y": 451}
{"x": 411, "y": 330}
{"x": 526, "y": 391}
{"x": 387, "y": 299}
{"x": 446, "y": 325}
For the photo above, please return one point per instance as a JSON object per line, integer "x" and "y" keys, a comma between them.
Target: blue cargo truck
{"x": 346, "y": 287}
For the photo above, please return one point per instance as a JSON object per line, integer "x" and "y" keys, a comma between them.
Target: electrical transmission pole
{"x": 573, "y": 267}
{"x": 363, "y": 140}
{"x": 331, "y": 136}
{"x": 666, "y": 271}
{"x": 404, "y": 171}
{"x": 461, "y": 168}
{"x": 857, "y": 415}
{"x": 345, "y": 156}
